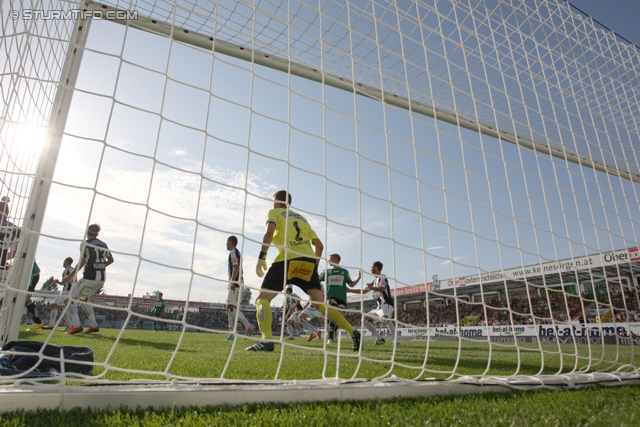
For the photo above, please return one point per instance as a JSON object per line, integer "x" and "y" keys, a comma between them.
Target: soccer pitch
{"x": 141, "y": 355}
{"x": 205, "y": 355}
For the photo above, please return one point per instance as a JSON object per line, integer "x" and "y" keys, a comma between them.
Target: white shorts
{"x": 232, "y": 296}
{"x": 295, "y": 316}
{"x": 85, "y": 288}
{"x": 386, "y": 311}
{"x": 60, "y": 299}
{"x": 312, "y": 312}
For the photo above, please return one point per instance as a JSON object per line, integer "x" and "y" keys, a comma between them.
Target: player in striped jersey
{"x": 236, "y": 280}
{"x": 58, "y": 304}
{"x": 384, "y": 310}
{"x": 96, "y": 257}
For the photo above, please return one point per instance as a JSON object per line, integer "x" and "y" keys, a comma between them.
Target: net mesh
{"x": 502, "y": 199}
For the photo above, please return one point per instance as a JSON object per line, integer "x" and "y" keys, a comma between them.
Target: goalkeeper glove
{"x": 261, "y": 267}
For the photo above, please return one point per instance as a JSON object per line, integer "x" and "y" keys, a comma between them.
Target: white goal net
{"x": 482, "y": 155}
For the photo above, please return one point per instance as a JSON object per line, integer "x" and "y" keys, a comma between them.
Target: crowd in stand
{"x": 533, "y": 310}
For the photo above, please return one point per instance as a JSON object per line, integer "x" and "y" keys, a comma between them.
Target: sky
{"x": 171, "y": 167}
{"x": 621, "y": 16}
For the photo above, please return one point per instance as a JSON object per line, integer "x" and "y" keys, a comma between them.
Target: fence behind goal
{"x": 484, "y": 152}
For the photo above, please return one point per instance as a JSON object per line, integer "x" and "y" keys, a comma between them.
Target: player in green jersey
{"x": 336, "y": 280}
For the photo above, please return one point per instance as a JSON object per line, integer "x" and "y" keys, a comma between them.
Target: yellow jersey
{"x": 299, "y": 234}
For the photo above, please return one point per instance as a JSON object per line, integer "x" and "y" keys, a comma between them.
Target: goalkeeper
{"x": 296, "y": 263}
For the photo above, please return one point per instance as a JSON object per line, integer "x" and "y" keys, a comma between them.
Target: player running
{"x": 336, "y": 280}
{"x": 236, "y": 279}
{"x": 95, "y": 260}
{"x": 384, "y": 300}
{"x": 296, "y": 263}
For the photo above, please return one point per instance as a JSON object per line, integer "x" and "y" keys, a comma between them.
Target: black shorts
{"x": 34, "y": 281}
{"x": 337, "y": 302}
{"x": 298, "y": 270}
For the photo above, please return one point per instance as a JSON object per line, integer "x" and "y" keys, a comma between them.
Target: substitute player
{"x": 296, "y": 263}
{"x": 236, "y": 279}
{"x": 384, "y": 301}
{"x": 336, "y": 280}
{"x": 95, "y": 260}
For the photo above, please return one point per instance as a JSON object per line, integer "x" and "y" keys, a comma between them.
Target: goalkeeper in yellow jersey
{"x": 296, "y": 264}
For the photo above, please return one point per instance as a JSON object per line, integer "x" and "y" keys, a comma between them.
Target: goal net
{"x": 481, "y": 155}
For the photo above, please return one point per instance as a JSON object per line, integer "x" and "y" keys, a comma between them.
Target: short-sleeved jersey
{"x": 299, "y": 234}
{"x": 291, "y": 301}
{"x": 235, "y": 258}
{"x": 159, "y": 306}
{"x": 97, "y": 253}
{"x": 9, "y": 236}
{"x": 67, "y": 271}
{"x": 336, "y": 280}
{"x": 383, "y": 297}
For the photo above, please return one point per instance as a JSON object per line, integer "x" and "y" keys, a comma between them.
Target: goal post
{"x": 37, "y": 200}
{"x": 491, "y": 146}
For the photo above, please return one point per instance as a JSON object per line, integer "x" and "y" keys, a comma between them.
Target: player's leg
{"x": 93, "y": 287}
{"x": 31, "y": 307}
{"x": 88, "y": 309}
{"x": 368, "y": 323}
{"x": 272, "y": 285}
{"x": 292, "y": 319}
{"x": 83, "y": 290}
{"x": 304, "y": 319}
{"x": 247, "y": 325}
{"x": 75, "y": 326}
{"x": 391, "y": 324}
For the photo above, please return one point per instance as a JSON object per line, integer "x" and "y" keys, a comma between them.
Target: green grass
{"x": 587, "y": 407}
{"x": 210, "y": 356}
{"x": 201, "y": 355}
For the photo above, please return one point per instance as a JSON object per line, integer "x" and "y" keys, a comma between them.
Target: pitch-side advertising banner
{"x": 594, "y": 333}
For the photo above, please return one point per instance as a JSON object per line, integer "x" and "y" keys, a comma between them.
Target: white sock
{"x": 67, "y": 318}
{"x": 309, "y": 326}
{"x": 372, "y": 329}
{"x": 53, "y": 316}
{"x": 88, "y": 309}
{"x": 231, "y": 315}
{"x": 392, "y": 327}
{"x": 290, "y": 329}
{"x": 72, "y": 311}
{"x": 243, "y": 319}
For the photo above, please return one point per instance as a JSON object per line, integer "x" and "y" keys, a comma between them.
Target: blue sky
{"x": 423, "y": 196}
{"x": 621, "y": 16}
